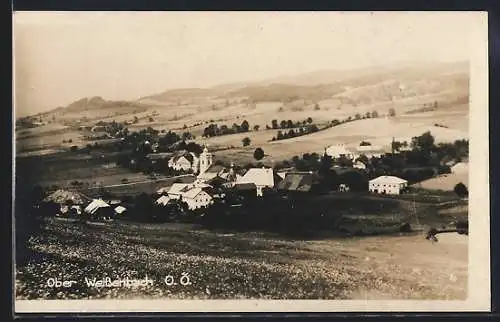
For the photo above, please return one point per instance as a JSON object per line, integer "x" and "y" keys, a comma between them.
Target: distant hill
{"x": 98, "y": 102}
{"x": 287, "y": 92}
{"x": 175, "y": 95}
{"x": 356, "y": 85}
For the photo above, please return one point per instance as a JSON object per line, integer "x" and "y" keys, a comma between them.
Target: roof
{"x": 297, "y": 182}
{"x": 163, "y": 200}
{"x": 179, "y": 188}
{"x": 63, "y": 196}
{"x": 192, "y": 193}
{"x": 259, "y": 176}
{"x": 120, "y": 209}
{"x": 95, "y": 205}
{"x": 188, "y": 156}
{"x": 245, "y": 186}
{"x": 388, "y": 179}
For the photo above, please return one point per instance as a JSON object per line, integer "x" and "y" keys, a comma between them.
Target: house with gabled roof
{"x": 263, "y": 178}
{"x": 197, "y": 198}
{"x": 184, "y": 161}
{"x": 387, "y": 185}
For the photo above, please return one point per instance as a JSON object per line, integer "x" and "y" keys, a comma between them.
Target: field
{"x": 404, "y": 89}
{"x": 445, "y": 181}
{"x": 244, "y": 265}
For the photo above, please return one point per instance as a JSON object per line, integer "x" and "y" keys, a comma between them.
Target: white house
{"x": 196, "y": 198}
{"x": 190, "y": 161}
{"x": 184, "y": 161}
{"x": 261, "y": 177}
{"x": 387, "y": 185}
{"x": 340, "y": 151}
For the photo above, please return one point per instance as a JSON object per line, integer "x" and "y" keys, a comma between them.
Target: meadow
{"x": 221, "y": 264}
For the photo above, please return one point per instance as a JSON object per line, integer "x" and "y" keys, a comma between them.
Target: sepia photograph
{"x": 239, "y": 161}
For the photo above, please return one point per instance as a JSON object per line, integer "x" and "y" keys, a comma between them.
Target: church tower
{"x": 205, "y": 160}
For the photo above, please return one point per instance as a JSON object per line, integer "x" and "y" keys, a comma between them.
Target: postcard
{"x": 250, "y": 162}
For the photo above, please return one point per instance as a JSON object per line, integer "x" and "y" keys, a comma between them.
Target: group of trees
{"x": 294, "y": 133}
{"x": 215, "y": 130}
{"x": 288, "y": 124}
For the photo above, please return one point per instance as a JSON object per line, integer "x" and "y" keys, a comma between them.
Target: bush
{"x": 258, "y": 154}
{"x": 461, "y": 190}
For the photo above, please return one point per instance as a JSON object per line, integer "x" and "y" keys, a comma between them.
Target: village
{"x": 199, "y": 187}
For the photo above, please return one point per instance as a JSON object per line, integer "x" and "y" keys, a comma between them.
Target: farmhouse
{"x": 262, "y": 178}
{"x": 197, "y": 198}
{"x": 387, "y": 185}
{"x": 340, "y": 151}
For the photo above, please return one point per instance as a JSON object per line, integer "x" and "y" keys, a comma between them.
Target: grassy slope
{"x": 248, "y": 265}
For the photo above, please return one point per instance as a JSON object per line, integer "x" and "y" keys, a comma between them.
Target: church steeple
{"x": 205, "y": 160}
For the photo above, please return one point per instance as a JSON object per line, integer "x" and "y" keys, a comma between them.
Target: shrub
{"x": 461, "y": 190}
{"x": 258, "y": 154}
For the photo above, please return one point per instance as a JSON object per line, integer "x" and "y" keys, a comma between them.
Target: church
{"x": 186, "y": 161}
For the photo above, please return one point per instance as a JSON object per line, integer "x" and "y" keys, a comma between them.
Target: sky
{"x": 60, "y": 57}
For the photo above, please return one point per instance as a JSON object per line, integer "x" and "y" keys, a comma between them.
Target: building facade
{"x": 387, "y": 185}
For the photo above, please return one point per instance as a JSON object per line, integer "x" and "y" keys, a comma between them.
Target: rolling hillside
{"x": 324, "y": 96}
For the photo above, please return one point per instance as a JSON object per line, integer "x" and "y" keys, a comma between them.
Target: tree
{"x": 392, "y": 112}
{"x": 368, "y": 115}
{"x": 357, "y": 116}
{"x": 274, "y": 124}
{"x": 258, "y": 154}
{"x": 283, "y": 124}
{"x": 309, "y": 120}
{"x": 151, "y": 119}
{"x": 279, "y": 136}
{"x": 136, "y": 119}
{"x": 246, "y": 141}
{"x": 365, "y": 143}
{"x": 256, "y": 128}
{"x": 335, "y": 122}
{"x": 244, "y": 126}
{"x": 374, "y": 114}
{"x": 316, "y": 107}
{"x": 289, "y": 124}
{"x": 424, "y": 142}
{"x": 461, "y": 190}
